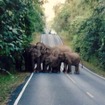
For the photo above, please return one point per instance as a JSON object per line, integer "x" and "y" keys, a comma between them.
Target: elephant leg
{"x": 27, "y": 60}
{"x": 58, "y": 68}
{"x": 69, "y": 68}
{"x": 44, "y": 68}
{"x": 35, "y": 68}
{"x": 30, "y": 63}
{"x": 65, "y": 67}
{"x": 38, "y": 65}
{"x": 33, "y": 65}
{"x": 49, "y": 68}
{"x": 54, "y": 69}
{"x": 77, "y": 69}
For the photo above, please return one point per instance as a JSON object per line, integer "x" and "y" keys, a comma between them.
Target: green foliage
{"x": 18, "y": 20}
{"x": 86, "y": 26}
{"x": 62, "y": 20}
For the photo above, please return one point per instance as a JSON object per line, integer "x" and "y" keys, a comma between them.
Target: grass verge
{"x": 8, "y": 84}
{"x": 93, "y": 68}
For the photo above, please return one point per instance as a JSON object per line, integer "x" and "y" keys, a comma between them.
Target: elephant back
{"x": 55, "y": 51}
{"x": 64, "y": 48}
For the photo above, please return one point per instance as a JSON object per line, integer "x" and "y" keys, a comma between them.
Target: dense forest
{"x": 18, "y": 20}
{"x": 83, "y": 22}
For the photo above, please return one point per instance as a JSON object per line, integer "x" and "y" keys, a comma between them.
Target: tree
{"x": 18, "y": 20}
{"x": 84, "y": 22}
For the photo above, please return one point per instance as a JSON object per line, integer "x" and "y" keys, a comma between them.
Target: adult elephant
{"x": 27, "y": 58}
{"x": 44, "y": 51}
{"x": 31, "y": 56}
{"x": 53, "y": 64}
{"x": 69, "y": 59}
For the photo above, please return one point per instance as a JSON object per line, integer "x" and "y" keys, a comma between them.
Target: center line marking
{"x": 89, "y": 94}
{"x": 70, "y": 78}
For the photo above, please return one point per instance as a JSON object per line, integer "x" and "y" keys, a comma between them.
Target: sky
{"x": 49, "y": 13}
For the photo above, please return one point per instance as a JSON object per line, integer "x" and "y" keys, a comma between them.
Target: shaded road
{"x": 63, "y": 89}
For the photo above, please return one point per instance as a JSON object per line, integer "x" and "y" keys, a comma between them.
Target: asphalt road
{"x": 62, "y": 89}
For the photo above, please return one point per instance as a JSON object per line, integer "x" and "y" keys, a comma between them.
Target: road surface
{"x": 62, "y": 89}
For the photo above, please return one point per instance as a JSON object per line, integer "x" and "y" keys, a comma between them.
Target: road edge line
{"x": 60, "y": 39}
{"x": 93, "y": 73}
{"x": 22, "y": 91}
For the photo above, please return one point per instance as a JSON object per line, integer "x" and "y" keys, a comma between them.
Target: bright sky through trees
{"x": 49, "y": 13}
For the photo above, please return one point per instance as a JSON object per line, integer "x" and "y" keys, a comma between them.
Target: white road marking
{"x": 71, "y": 79}
{"x": 21, "y": 93}
{"x": 93, "y": 73}
{"x": 89, "y": 94}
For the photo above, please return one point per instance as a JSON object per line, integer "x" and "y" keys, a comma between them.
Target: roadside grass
{"x": 35, "y": 38}
{"x": 88, "y": 65}
{"x": 66, "y": 40}
{"x": 9, "y": 83}
{"x": 95, "y": 69}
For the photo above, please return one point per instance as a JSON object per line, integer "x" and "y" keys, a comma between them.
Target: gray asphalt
{"x": 63, "y": 89}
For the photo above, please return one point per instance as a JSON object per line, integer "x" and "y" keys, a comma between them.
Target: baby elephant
{"x": 70, "y": 59}
{"x": 53, "y": 63}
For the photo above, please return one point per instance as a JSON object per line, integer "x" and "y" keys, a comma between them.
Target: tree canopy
{"x": 84, "y": 23}
{"x": 18, "y": 20}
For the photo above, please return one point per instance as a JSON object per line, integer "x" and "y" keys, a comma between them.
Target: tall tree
{"x": 84, "y": 22}
{"x": 18, "y": 20}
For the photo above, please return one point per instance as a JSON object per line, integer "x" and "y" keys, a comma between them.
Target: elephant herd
{"x": 43, "y": 58}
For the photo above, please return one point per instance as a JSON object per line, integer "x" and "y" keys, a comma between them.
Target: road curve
{"x": 63, "y": 89}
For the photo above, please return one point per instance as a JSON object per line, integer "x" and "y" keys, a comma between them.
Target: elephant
{"x": 45, "y": 55}
{"x": 41, "y": 47}
{"x": 35, "y": 56}
{"x": 58, "y": 50}
{"x": 31, "y": 56}
{"x": 53, "y": 63}
{"x": 44, "y": 50}
{"x": 69, "y": 59}
{"x": 28, "y": 58}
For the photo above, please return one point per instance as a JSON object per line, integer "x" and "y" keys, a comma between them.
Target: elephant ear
{"x": 36, "y": 52}
{"x": 47, "y": 51}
